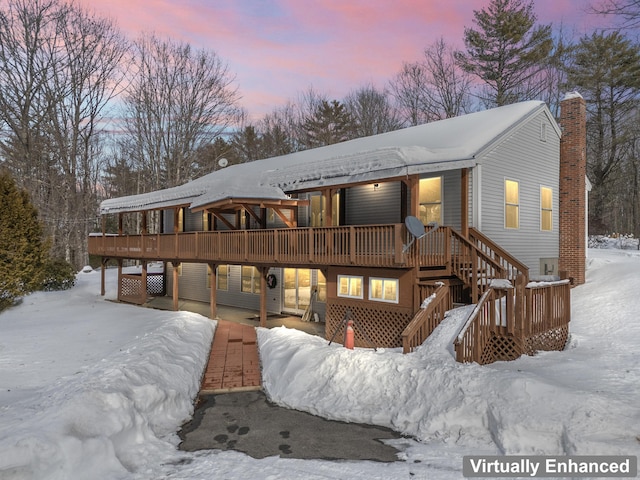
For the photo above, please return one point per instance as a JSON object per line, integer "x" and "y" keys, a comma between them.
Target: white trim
{"x": 349, "y": 278}
{"x": 504, "y": 203}
{"x": 384, "y": 280}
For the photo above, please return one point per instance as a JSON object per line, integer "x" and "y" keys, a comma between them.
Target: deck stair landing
{"x": 234, "y": 363}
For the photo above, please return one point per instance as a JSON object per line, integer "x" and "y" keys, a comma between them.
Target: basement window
{"x": 222, "y": 277}
{"x": 350, "y": 286}
{"x": 383, "y": 289}
{"x": 250, "y": 279}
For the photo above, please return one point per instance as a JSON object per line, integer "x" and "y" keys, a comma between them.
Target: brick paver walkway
{"x": 234, "y": 364}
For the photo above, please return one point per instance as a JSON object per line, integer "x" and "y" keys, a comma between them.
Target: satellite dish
{"x": 415, "y": 226}
{"x": 416, "y": 229}
{"x": 223, "y": 162}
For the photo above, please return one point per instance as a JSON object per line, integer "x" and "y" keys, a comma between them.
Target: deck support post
{"x": 176, "y": 290}
{"x": 119, "y": 279}
{"x": 263, "y": 296}
{"x": 103, "y": 266}
{"x": 213, "y": 306}
{"x": 143, "y": 287}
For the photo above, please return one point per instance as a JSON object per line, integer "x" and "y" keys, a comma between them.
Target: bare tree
{"x": 371, "y": 112}
{"x": 449, "y": 87}
{"x": 27, "y": 38}
{"x": 433, "y": 88}
{"x": 179, "y": 99}
{"x": 83, "y": 81}
{"x": 410, "y": 87}
{"x": 627, "y": 10}
{"x": 59, "y": 68}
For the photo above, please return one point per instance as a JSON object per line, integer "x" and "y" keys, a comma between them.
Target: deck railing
{"x": 519, "y": 313}
{"x": 366, "y": 245}
{"x": 428, "y": 317}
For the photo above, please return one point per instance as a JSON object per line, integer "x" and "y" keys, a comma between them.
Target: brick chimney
{"x": 573, "y": 190}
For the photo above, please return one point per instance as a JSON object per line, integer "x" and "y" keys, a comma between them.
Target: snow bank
{"x": 114, "y": 416}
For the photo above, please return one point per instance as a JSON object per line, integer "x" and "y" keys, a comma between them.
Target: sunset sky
{"x": 279, "y": 48}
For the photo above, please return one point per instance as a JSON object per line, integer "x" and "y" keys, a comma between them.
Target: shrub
{"x": 58, "y": 275}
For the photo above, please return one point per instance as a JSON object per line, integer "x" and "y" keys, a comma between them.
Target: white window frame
{"x": 542, "y": 209}
{"x": 219, "y": 276}
{"x": 384, "y": 280}
{"x": 511, "y": 204}
{"x": 441, "y": 202}
{"x": 349, "y": 279}
{"x": 255, "y": 280}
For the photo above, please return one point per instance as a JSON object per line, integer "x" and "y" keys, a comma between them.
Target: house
{"x": 332, "y": 232}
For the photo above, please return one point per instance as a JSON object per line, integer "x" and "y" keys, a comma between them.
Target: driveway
{"x": 249, "y": 423}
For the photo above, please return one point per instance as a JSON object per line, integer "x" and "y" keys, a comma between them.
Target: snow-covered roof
{"x": 444, "y": 145}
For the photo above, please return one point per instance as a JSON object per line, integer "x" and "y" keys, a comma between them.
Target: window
{"x": 546, "y": 209}
{"x": 222, "y": 277}
{"x": 349, "y": 286}
{"x": 322, "y": 287}
{"x": 511, "y": 204}
{"x": 250, "y": 280}
{"x": 383, "y": 289}
{"x": 431, "y": 200}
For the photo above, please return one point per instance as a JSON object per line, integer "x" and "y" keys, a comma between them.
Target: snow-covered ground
{"x": 94, "y": 389}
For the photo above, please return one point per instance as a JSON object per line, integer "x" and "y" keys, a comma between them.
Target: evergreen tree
{"x": 506, "y": 51}
{"x": 247, "y": 144}
{"x": 606, "y": 71}
{"x": 23, "y": 253}
{"x": 330, "y": 123}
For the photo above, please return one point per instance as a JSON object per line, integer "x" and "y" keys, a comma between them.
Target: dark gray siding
{"x": 365, "y": 205}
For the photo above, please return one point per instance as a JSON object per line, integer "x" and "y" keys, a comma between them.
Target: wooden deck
{"x": 234, "y": 363}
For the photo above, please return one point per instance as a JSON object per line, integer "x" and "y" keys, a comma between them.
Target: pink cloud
{"x": 279, "y": 48}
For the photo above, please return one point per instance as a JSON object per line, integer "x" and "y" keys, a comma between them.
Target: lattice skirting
{"x": 130, "y": 287}
{"x": 505, "y": 348}
{"x": 555, "y": 339}
{"x": 382, "y": 328}
{"x": 155, "y": 285}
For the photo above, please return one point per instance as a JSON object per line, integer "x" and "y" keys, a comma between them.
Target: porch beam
{"x": 253, "y": 214}
{"x": 224, "y": 220}
{"x": 328, "y": 207}
{"x": 464, "y": 202}
{"x": 414, "y": 189}
{"x": 284, "y": 218}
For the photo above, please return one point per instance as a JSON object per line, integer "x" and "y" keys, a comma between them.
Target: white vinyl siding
{"x": 524, "y": 157}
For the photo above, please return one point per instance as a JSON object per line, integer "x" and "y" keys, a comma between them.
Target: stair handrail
{"x": 426, "y": 319}
{"x": 514, "y": 267}
{"x": 478, "y": 285}
{"x": 494, "y": 313}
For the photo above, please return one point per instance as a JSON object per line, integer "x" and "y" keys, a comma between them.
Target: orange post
{"x": 348, "y": 336}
